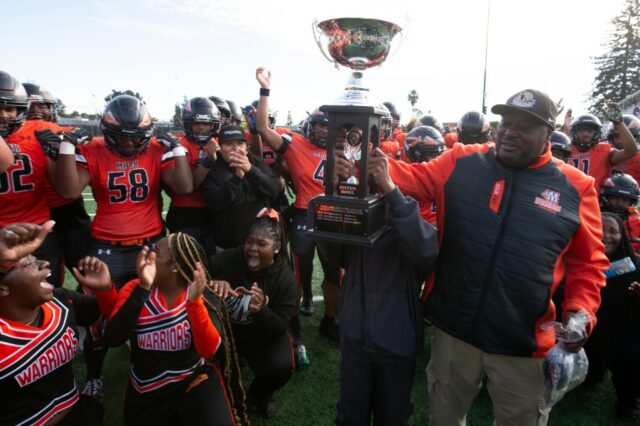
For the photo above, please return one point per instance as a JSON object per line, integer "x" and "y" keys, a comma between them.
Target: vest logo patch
{"x": 496, "y": 196}
{"x": 549, "y": 200}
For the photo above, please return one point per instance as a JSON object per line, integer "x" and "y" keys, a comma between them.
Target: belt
{"x": 129, "y": 243}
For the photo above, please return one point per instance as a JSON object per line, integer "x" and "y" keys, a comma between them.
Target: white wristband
{"x": 179, "y": 151}
{"x": 66, "y": 148}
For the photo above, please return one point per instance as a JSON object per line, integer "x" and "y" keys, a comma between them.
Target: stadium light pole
{"x": 486, "y": 51}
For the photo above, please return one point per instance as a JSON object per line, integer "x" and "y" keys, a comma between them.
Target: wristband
{"x": 179, "y": 151}
{"x": 66, "y": 148}
{"x": 264, "y": 92}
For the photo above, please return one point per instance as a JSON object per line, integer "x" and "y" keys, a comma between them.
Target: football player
{"x": 619, "y": 194}
{"x": 422, "y": 145}
{"x": 596, "y": 158}
{"x": 473, "y": 127}
{"x": 560, "y": 145}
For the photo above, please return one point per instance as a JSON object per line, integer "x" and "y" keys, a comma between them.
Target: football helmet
{"x": 619, "y": 185}
{"x": 560, "y": 145}
{"x": 223, "y": 107}
{"x": 585, "y": 122}
{"x": 473, "y": 127}
{"x": 395, "y": 114}
{"x": 431, "y": 121}
{"x": 126, "y": 116}
{"x": 236, "y": 114}
{"x": 12, "y": 94}
{"x": 200, "y": 110}
{"x": 309, "y": 130}
{"x": 633, "y": 124}
{"x": 423, "y": 143}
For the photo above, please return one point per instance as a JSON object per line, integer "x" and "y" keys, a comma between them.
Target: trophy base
{"x": 346, "y": 220}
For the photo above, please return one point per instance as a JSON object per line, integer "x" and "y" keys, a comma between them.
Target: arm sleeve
{"x": 219, "y": 194}
{"x": 131, "y": 298}
{"x": 263, "y": 179}
{"x": 585, "y": 261}
{"x": 206, "y": 338}
{"x": 107, "y": 300}
{"x": 416, "y": 239}
{"x": 85, "y": 306}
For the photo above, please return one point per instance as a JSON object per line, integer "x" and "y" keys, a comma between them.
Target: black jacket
{"x": 277, "y": 282}
{"x": 380, "y": 306}
{"x": 234, "y": 201}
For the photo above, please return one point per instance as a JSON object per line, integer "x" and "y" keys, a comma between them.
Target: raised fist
{"x": 49, "y": 141}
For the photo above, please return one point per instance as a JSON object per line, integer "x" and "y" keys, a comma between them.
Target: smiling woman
{"x": 260, "y": 274}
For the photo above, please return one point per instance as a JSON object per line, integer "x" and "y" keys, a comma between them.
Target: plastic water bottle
{"x": 303, "y": 358}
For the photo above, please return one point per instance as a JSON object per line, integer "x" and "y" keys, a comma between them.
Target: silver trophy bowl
{"x": 356, "y": 43}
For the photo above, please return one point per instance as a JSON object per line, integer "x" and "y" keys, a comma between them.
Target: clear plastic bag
{"x": 564, "y": 370}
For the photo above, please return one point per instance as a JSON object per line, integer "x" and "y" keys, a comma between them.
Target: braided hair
{"x": 276, "y": 232}
{"x": 186, "y": 252}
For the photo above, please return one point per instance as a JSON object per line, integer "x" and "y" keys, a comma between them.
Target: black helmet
{"x": 473, "y": 127}
{"x": 431, "y": 121}
{"x": 271, "y": 117}
{"x": 223, "y": 107}
{"x": 200, "y": 110}
{"x": 12, "y": 94}
{"x": 126, "y": 115}
{"x": 236, "y": 114}
{"x": 423, "y": 143}
{"x": 308, "y": 132}
{"x": 36, "y": 97}
{"x": 589, "y": 122}
{"x": 560, "y": 145}
{"x": 395, "y": 114}
{"x": 619, "y": 185}
{"x": 633, "y": 124}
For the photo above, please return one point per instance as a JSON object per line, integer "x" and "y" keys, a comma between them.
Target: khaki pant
{"x": 454, "y": 378}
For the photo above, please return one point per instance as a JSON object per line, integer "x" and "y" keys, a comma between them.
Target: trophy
{"x": 352, "y": 211}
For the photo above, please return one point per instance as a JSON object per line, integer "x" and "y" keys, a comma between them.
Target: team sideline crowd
{"x": 492, "y": 233}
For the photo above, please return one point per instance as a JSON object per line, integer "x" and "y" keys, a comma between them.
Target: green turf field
{"x": 310, "y": 397}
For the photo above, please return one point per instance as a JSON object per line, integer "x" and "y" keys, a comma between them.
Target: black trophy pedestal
{"x": 348, "y": 220}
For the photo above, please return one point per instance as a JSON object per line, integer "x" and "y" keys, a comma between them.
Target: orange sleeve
{"x": 423, "y": 181}
{"x": 206, "y": 338}
{"x": 584, "y": 258}
{"x": 107, "y": 300}
{"x": 123, "y": 295}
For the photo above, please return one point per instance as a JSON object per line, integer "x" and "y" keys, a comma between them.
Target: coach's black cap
{"x": 533, "y": 103}
{"x": 231, "y": 133}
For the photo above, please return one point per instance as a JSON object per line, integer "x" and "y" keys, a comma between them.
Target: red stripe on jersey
{"x": 163, "y": 379}
{"x": 59, "y": 404}
{"x": 13, "y": 354}
{"x": 159, "y": 304}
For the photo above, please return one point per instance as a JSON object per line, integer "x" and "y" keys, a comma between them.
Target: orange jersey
{"x": 630, "y": 167}
{"x": 306, "y": 162}
{"x": 632, "y": 225}
{"x": 126, "y": 190}
{"x": 51, "y": 196}
{"x": 594, "y": 162}
{"x": 22, "y": 185}
{"x": 195, "y": 152}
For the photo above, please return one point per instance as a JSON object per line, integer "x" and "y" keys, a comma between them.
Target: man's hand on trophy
{"x": 263, "y": 76}
{"x": 379, "y": 170}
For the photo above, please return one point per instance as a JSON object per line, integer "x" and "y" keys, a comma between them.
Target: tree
{"x": 115, "y": 93}
{"x": 413, "y": 98}
{"x": 177, "y": 112}
{"x": 619, "y": 68}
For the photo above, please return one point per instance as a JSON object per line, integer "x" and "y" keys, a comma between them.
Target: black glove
{"x": 50, "y": 142}
{"x": 76, "y": 136}
{"x": 168, "y": 140}
{"x": 612, "y": 112}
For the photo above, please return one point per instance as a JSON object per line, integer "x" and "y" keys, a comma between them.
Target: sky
{"x": 167, "y": 49}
